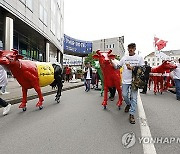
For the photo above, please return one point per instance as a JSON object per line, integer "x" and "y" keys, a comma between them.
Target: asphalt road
{"x": 163, "y": 115}
{"x": 77, "y": 125}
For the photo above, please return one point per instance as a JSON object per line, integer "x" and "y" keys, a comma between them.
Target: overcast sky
{"x": 137, "y": 20}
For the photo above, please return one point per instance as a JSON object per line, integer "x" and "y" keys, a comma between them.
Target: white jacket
{"x": 3, "y": 77}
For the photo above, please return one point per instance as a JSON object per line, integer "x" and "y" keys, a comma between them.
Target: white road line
{"x": 148, "y": 148}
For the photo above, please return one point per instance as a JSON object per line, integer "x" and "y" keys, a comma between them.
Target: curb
{"x": 18, "y": 100}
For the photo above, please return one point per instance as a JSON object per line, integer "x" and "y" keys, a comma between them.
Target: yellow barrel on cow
{"x": 45, "y": 73}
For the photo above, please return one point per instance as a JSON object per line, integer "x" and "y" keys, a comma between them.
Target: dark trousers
{"x": 3, "y": 103}
{"x": 87, "y": 84}
{"x": 112, "y": 92}
{"x": 177, "y": 85}
{"x": 145, "y": 87}
{"x": 67, "y": 77}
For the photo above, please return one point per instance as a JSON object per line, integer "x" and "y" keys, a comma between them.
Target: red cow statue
{"x": 32, "y": 74}
{"x": 157, "y": 75}
{"x": 111, "y": 76}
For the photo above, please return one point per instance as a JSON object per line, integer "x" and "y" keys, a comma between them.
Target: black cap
{"x": 132, "y": 45}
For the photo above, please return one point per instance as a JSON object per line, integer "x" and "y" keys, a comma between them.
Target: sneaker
{"x": 127, "y": 108}
{"x": 6, "y": 109}
{"x": 4, "y": 93}
{"x": 131, "y": 119}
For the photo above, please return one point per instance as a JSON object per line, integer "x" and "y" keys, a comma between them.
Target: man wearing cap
{"x": 128, "y": 62}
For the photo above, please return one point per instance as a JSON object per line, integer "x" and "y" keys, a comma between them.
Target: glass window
{"x": 157, "y": 59}
{"x": 53, "y": 15}
{"x": 58, "y": 26}
{"x": 45, "y": 17}
{"x": 59, "y": 3}
{"x": 23, "y": 52}
{"x": 148, "y": 59}
{"x": 41, "y": 12}
{"x": 110, "y": 46}
{"x": 24, "y": 1}
{"x": 106, "y": 46}
{"x": 113, "y": 45}
{"x": 153, "y": 59}
{"x": 157, "y": 63}
{"x": 29, "y": 4}
{"x": 172, "y": 58}
{"x": 1, "y": 45}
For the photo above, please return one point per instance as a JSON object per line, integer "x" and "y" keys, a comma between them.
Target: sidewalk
{"x": 15, "y": 90}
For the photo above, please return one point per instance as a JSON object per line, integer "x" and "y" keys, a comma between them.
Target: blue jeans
{"x": 177, "y": 85}
{"x": 87, "y": 84}
{"x": 130, "y": 97}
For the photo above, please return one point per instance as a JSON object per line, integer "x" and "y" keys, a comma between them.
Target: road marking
{"x": 145, "y": 130}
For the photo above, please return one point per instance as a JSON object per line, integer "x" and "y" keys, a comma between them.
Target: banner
{"x": 77, "y": 46}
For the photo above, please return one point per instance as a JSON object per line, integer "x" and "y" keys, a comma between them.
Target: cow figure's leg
{"x": 41, "y": 99}
{"x": 161, "y": 85}
{"x": 119, "y": 103}
{"x": 104, "y": 103}
{"x": 155, "y": 85}
{"x": 24, "y": 99}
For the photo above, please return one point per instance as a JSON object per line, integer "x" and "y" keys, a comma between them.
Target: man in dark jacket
{"x": 148, "y": 70}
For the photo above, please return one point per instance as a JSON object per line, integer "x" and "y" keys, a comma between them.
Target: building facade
{"x": 34, "y": 27}
{"x": 116, "y": 44}
{"x": 155, "y": 60}
{"x": 72, "y": 60}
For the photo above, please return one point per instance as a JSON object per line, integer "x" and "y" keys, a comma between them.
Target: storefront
{"x": 27, "y": 48}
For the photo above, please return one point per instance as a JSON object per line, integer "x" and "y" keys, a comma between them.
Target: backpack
{"x": 138, "y": 77}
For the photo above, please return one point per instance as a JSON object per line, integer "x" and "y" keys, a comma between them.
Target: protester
{"x": 112, "y": 92}
{"x": 128, "y": 62}
{"x": 3, "y": 80}
{"x": 87, "y": 76}
{"x": 148, "y": 70}
{"x": 68, "y": 73}
{"x": 93, "y": 80}
{"x": 6, "y": 106}
{"x": 175, "y": 74}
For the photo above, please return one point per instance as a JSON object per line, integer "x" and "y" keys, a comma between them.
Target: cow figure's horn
{"x": 109, "y": 51}
{"x": 98, "y": 52}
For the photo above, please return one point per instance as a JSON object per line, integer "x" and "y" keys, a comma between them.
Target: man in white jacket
{"x": 3, "y": 84}
{"x": 175, "y": 74}
{"x": 127, "y": 62}
{"x": 3, "y": 80}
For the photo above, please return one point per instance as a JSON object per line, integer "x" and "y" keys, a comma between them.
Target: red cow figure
{"x": 29, "y": 74}
{"x": 157, "y": 75}
{"x": 111, "y": 76}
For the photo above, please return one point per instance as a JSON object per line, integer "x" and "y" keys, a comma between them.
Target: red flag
{"x": 160, "y": 44}
{"x": 156, "y": 39}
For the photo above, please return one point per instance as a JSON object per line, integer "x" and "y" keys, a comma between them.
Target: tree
{"x": 90, "y": 58}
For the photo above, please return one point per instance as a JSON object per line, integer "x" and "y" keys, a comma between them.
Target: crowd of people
{"x": 128, "y": 62}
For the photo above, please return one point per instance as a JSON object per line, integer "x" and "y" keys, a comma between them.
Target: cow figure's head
{"x": 168, "y": 65}
{"x": 104, "y": 57}
{"x": 7, "y": 57}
